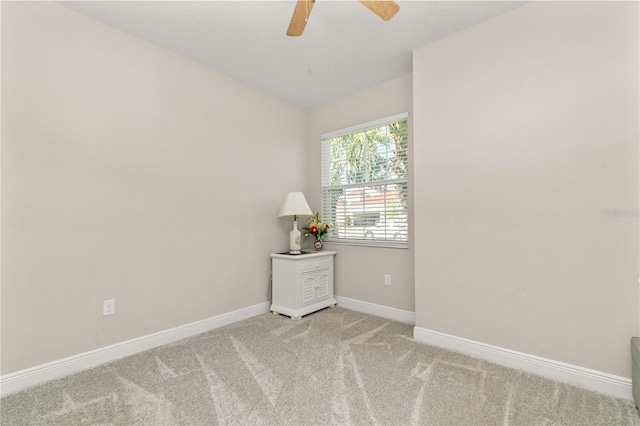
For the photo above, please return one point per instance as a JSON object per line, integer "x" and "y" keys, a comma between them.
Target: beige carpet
{"x": 332, "y": 367}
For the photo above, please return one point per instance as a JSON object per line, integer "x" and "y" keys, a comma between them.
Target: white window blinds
{"x": 365, "y": 180}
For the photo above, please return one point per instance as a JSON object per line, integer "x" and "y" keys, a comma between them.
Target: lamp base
{"x": 294, "y": 239}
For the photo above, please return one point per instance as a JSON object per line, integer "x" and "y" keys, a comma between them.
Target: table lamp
{"x": 295, "y": 205}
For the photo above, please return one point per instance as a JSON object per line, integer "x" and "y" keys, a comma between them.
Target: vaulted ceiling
{"x": 344, "y": 48}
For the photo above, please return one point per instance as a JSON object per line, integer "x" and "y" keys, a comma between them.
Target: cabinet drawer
{"x": 315, "y": 265}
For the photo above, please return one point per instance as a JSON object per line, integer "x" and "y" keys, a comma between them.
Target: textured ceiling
{"x": 345, "y": 47}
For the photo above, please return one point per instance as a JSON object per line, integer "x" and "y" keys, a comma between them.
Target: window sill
{"x": 365, "y": 243}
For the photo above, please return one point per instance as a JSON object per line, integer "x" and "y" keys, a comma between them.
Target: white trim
{"x": 22, "y": 379}
{"x": 365, "y": 126}
{"x": 367, "y": 243}
{"x": 377, "y": 310}
{"x": 595, "y": 380}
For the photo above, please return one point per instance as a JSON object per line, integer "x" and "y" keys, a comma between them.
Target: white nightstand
{"x": 302, "y": 283}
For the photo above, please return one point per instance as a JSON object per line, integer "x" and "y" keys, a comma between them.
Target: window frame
{"x": 388, "y": 243}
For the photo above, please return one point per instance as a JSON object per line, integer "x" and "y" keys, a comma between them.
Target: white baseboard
{"x": 595, "y": 380}
{"x": 592, "y": 379}
{"x": 377, "y": 310}
{"x": 22, "y": 379}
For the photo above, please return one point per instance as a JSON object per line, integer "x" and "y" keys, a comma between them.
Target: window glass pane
{"x": 365, "y": 181}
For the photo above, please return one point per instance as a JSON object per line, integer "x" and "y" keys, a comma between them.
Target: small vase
{"x": 318, "y": 245}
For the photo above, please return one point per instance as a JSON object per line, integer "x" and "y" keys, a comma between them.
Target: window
{"x": 365, "y": 180}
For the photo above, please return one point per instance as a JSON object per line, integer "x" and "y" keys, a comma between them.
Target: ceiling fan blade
{"x": 299, "y": 19}
{"x": 384, "y": 9}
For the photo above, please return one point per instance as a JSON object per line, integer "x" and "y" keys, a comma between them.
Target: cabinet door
{"x": 322, "y": 290}
{"x": 308, "y": 288}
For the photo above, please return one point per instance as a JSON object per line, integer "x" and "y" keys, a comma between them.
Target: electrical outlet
{"x": 108, "y": 307}
{"x": 387, "y": 279}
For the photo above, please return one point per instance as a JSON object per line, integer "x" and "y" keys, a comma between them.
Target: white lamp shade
{"x": 295, "y": 205}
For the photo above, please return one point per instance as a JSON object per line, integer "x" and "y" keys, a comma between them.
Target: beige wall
{"x": 130, "y": 173}
{"x": 359, "y": 271}
{"x": 526, "y": 182}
